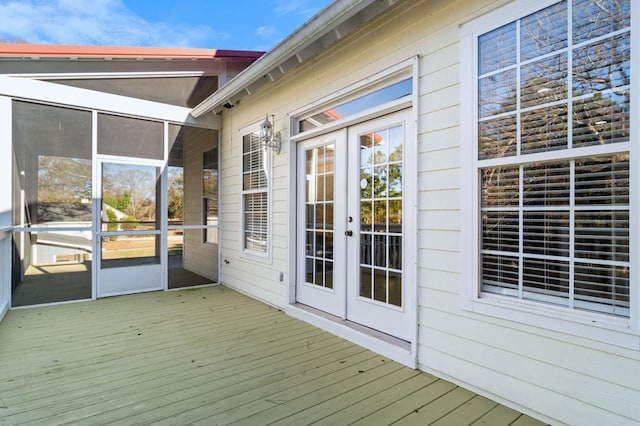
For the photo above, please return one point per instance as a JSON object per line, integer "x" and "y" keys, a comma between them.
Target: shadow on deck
{"x": 210, "y": 356}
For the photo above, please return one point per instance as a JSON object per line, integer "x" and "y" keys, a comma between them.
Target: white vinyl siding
{"x": 255, "y": 196}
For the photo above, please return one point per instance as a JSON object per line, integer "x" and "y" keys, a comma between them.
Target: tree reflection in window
{"x": 381, "y": 191}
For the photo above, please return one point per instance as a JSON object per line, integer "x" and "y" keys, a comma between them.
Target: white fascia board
{"x": 109, "y": 75}
{"x": 23, "y": 88}
{"x": 326, "y": 21}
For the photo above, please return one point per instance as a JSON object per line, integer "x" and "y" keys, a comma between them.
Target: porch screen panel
{"x": 52, "y": 203}
{"x": 130, "y": 137}
{"x": 554, "y": 212}
{"x": 192, "y": 201}
{"x": 52, "y": 152}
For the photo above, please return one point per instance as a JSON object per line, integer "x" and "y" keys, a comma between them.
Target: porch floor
{"x": 210, "y": 356}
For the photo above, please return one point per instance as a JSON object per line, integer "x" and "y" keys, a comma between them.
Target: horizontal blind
{"x": 538, "y": 230}
{"x": 556, "y": 231}
{"x": 254, "y": 174}
{"x": 255, "y": 194}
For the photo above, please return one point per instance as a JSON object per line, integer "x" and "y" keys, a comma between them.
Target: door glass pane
{"x": 395, "y": 288}
{"x": 319, "y": 192}
{"x": 381, "y": 189}
{"x": 366, "y": 282}
{"x": 380, "y": 285}
{"x": 328, "y": 274}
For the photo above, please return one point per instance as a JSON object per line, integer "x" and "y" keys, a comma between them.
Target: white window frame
{"x": 268, "y": 162}
{"x": 394, "y": 74}
{"x": 624, "y": 332}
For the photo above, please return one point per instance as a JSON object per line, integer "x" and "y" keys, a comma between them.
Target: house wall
{"x": 553, "y": 376}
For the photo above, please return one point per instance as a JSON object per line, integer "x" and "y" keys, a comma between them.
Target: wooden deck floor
{"x": 209, "y": 356}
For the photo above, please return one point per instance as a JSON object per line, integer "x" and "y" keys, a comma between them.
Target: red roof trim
{"x": 66, "y": 51}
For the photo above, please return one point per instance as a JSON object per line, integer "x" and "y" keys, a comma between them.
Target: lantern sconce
{"x": 267, "y": 136}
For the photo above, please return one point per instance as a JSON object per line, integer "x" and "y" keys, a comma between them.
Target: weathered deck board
{"x": 500, "y": 413}
{"x": 209, "y": 356}
{"x": 355, "y": 410}
{"x": 389, "y": 414}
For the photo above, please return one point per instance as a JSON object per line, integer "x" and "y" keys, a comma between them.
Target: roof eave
{"x": 336, "y": 21}
{"x": 31, "y": 51}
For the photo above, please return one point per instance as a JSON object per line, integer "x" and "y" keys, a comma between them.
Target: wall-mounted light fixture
{"x": 268, "y": 137}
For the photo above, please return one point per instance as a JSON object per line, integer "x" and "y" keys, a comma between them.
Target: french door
{"x": 350, "y": 235}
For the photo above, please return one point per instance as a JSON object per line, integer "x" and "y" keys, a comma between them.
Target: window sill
{"x": 593, "y": 326}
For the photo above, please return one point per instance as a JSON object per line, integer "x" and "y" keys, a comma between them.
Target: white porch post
{"x": 5, "y": 204}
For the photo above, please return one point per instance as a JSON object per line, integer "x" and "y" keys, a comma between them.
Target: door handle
{"x": 348, "y": 233}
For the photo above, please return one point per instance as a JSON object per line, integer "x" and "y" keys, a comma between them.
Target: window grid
{"x": 381, "y": 170}
{"x": 319, "y": 215}
{"x": 255, "y": 195}
{"x": 531, "y": 265}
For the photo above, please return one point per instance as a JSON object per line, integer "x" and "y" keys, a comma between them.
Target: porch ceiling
{"x": 209, "y": 356}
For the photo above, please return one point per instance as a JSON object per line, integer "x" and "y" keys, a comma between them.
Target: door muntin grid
{"x": 380, "y": 195}
{"x": 319, "y": 215}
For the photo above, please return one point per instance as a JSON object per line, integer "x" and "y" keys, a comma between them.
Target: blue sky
{"x": 219, "y": 24}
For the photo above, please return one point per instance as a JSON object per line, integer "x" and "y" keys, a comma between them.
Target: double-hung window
{"x": 255, "y": 195}
{"x": 551, "y": 156}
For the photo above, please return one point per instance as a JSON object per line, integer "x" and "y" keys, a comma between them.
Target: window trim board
{"x": 262, "y": 257}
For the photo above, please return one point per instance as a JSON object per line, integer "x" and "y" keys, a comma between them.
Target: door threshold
{"x": 392, "y": 347}
{"x": 193, "y": 287}
{"x": 47, "y": 304}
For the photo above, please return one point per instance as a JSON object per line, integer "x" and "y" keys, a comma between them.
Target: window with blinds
{"x": 553, "y": 156}
{"x": 255, "y": 194}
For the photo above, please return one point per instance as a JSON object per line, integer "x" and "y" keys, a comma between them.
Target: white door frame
{"x": 409, "y": 307}
{"x": 128, "y": 279}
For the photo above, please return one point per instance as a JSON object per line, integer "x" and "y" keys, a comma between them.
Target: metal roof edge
{"x": 82, "y": 51}
{"x": 331, "y": 24}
